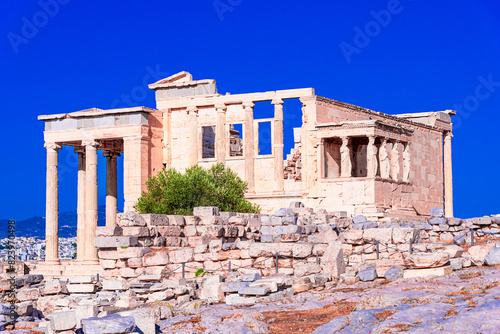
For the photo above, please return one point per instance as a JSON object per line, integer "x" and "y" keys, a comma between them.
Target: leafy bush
{"x": 171, "y": 192}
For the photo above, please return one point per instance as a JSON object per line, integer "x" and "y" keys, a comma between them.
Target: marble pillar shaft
{"x": 193, "y": 135}
{"x": 220, "y": 148}
{"x": 278, "y": 146}
{"x": 448, "y": 176}
{"x": 111, "y": 188}
{"x": 248, "y": 146}
{"x": 80, "y": 227}
{"x": 52, "y": 206}
{"x": 90, "y": 200}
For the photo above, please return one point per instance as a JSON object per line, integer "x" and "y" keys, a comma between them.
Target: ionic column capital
{"x": 248, "y": 105}
{"x": 448, "y": 135}
{"x": 79, "y": 149}
{"x": 221, "y": 107}
{"x": 52, "y": 146}
{"x": 91, "y": 142}
{"x": 277, "y": 101}
{"x": 111, "y": 154}
{"x": 192, "y": 109}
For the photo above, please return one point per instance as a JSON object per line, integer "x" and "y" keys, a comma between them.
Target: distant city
{"x": 33, "y": 249}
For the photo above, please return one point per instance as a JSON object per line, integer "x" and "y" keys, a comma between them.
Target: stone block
{"x": 333, "y": 259}
{"x": 296, "y": 204}
{"x": 306, "y": 269}
{"x": 231, "y": 232}
{"x": 354, "y": 237}
{"x": 82, "y": 288}
{"x": 111, "y": 324}
{"x": 441, "y": 271}
{"x": 130, "y": 252}
{"x": 393, "y": 273}
{"x": 301, "y": 250}
{"x": 176, "y": 220}
{"x": 262, "y": 250}
{"x": 215, "y": 245}
{"x": 359, "y": 219}
{"x": 287, "y": 220}
{"x": 84, "y": 312}
{"x": 170, "y": 231}
{"x": 181, "y": 255}
{"x": 437, "y": 221}
{"x": 137, "y": 231}
{"x": 154, "y": 219}
{"x": 108, "y": 254}
{"x": 323, "y": 237}
{"x": 456, "y": 263}
{"x": 63, "y": 321}
{"x": 402, "y": 235}
{"x": 382, "y": 235}
{"x": 237, "y": 300}
{"x": 454, "y": 221}
{"x": 149, "y": 278}
{"x": 232, "y": 287}
{"x": 493, "y": 257}
{"x": 130, "y": 218}
{"x": 159, "y": 258}
{"x": 368, "y": 274}
{"x": 290, "y": 237}
{"x": 108, "y": 231}
{"x": 54, "y": 287}
{"x": 284, "y": 212}
{"x": 478, "y": 253}
{"x": 212, "y": 289}
{"x": 427, "y": 260}
{"x": 211, "y": 220}
{"x": 250, "y": 277}
{"x": 452, "y": 250}
{"x": 82, "y": 279}
{"x": 254, "y": 291}
{"x": 115, "y": 285}
{"x": 206, "y": 211}
{"x": 28, "y": 294}
{"x": 437, "y": 212}
{"x": 112, "y": 242}
{"x": 144, "y": 320}
{"x": 238, "y": 220}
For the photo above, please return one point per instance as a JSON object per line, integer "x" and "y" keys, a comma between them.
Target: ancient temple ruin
{"x": 345, "y": 158}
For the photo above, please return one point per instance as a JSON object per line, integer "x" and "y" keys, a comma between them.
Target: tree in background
{"x": 174, "y": 193}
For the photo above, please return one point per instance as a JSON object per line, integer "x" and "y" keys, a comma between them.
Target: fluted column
{"x": 395, "y": 161}
{"x": 90, "y": 200}
{"x": 248, "y": 147}
{"x": 345, "y": 158}
{"x": 111, "y": 187}
{"x": 278, "y": 146}
{"x": 193, "y": 135}
{"x": 80, "y": 210}
{"x": 220, "y": 147}
{"x": 52, "y": 206}
{"x": 371, "y": 157}
{"x": 448, "y": 176}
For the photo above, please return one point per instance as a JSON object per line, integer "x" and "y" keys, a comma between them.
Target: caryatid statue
{"x": 371, "y": 157}
{"x": 395, "y": 161}
{"x": 345, "y": 158}
{"x": 406, "y": 163}
{"x": 385, "y": 167}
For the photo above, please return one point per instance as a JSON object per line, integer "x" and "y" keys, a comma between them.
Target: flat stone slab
{"x": 81, "y": 288}
{"x": 233, "y": 286}
{"x": 441, "y": 271}
{"x": 238, "y": 300}
{"x": 111, "y": 324}
{"x": 255, "y": 291}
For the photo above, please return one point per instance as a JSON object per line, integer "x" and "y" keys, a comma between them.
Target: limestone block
{"x": 137, "y": 231}
{"x": 108, "y": 254}
{"x": 230, "y": 232}
{"x": 354, "y": 237}
{"x": 323, "y": 237}
{"x": 284, "y": 249}
{"x": 130, "y": 218}
{"x": 333, "y": 259}
{"x": 211, "y": 220}
{"x": 130, "y": 252}
{"x": 112, "y": 242}
{"x": 232, "y": 287}
{"x": 437, "y": 212}
{"x": 153, "y": 219}
{"x": 306, "y": 269}
{"x": 215, "y": 245}
{"x": 359, "y": 219}
{"x": 256, "y": 222}
{"x": 212, "y": 289}
{"x": 160, "y": 296}
{"x": 149, "y": 278}
{"x": 454, "y": 221}
{"x": 54, "y": 287}
{"x": 393, "y": 273}
{"x": 437, "y": 221}
{"x": 82, "y": 288}
{"x": 446, "y": 237}
{"x": 191, "y": 220}
{"x": 382, "y": 235}
{"x": 155, "y": 259}
{"x": 459, "y": 239}
{"x": 427, "y": 260}
{"x": 115, "y": 285}
{"x": 84, "y": 312}
{"x": 144, "y": 320}
{"x": 239, "y": 220}
{"x": 206, "y": 211}
{"x": 108, "y": 231}
{"x": 107, "y": 264}
{"x": 190, "y": 231}
{"x": 176, "y": 220}
{"x": 63, "y": 321}
{"x": 113, "y": 323}
{"x": 170, "y": 231}
{"x": 479, "y": 253}
{"x": 128, "y": 272}
{"x": 196, "y": 241}
{"x": 301, "y": 251}
{"x": 456, "y": 263}
{"x": 452, "y": 250}
{"x": 441, "y": 271}
{"x": 289, "y": 220}
{"x": 181, "y": 255}
{"x": 402, "y": 235}
{"x": 28, "y": 294}
{"x": 493, "y": 257}
{"x": 302, "y": 287}
{"x": 254, "y": 291}
{"x": 201, "y": 249}
{"x": 482, "y": 221}
{"x": 291, "y": 237}
{"x": 368, "y": 274}
{"x": 383, "y": 265}
{"x": 284, "y": 212}
{"x": 250, "y": 277}
{"x": 262, "y": 250}
{"x": 237, "y": 300}
{"x": 319, "y": 249}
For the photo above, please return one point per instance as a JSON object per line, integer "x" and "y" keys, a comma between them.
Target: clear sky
{"x": 59, "y": 56}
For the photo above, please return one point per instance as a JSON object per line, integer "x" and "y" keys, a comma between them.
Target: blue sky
{"x": 390, "y": 56}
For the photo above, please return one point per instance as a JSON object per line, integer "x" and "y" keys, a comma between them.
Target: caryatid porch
{"x": 115, "y": 132}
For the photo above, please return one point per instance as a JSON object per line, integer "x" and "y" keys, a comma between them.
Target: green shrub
{"x": 171, "y": 192}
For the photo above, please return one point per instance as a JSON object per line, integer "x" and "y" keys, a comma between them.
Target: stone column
{"x": 193, "y": 135}
{"x": 345, "y": 158}
{"x": 448, "y": 176}
{"x": 395, "y": 161}
{"x": 248, "y": 146}
{"x": 90, "y": 200}
{"x": 111, "y": 187}
{"x": 406, "y": 162}
{"x": 385, "y": 167}
{"x": 371, "y": 157}
{"x": 136, "y": 169}
{"x": 278, "y": 146}
{"x": 220, "y": 146}
{"x": 52, "y": 206}
{"x": 80, "y": 227}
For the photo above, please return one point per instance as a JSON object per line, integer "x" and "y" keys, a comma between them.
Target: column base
{"x": 93, "y": 261}
{"x": 52, "y": 262}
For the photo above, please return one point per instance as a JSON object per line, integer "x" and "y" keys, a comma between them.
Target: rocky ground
{"x": 466, "y": 301}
